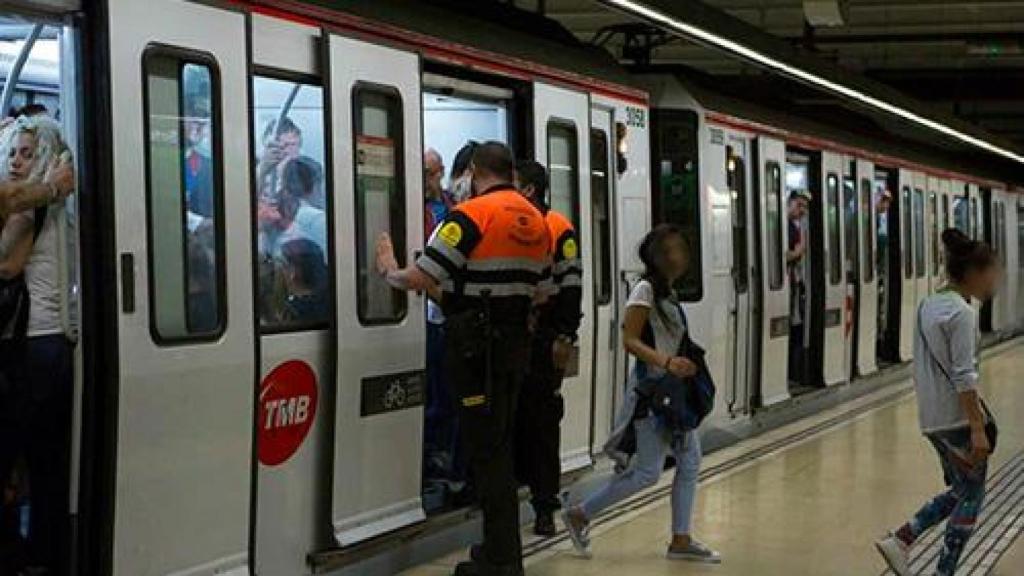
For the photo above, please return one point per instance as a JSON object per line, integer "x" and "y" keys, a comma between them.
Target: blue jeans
{"x": 652, "y": 446}
{"x": 961, "y": 503}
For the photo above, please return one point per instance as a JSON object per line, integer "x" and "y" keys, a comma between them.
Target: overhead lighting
{"x": 701, "y": 35}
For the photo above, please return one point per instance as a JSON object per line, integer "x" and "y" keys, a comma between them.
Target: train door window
{"x": 677, "y": 197}
{"x": 773, "y": 223}
{"x": 563, "y": 170}
{"x": 961, "y": 219}
{"x": 1020, "y": 243}
{"x": 975, "y": 220}
{"x": 736, "y": 175}
{"x": 835, "y": 264}
{"x": 919, "y": 248}
{"x": 292, "y": 247}
{"x": 185, "y": 216}
{"x": 380, "y": 197}
{"x": 944, "y": 221}
{"x": 1000, "y": 232}
{"x": 933, "y": 211}
{"x": 852, "y": 250}
{"x": 908, "y": 235}
{"x": 601, "y": 189}
{"x": 866, "y": 216}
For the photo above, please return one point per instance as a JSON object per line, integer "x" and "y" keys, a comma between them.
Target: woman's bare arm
{"x": 58, "y": 184}
{"x": 632, "y": 330}
{"x": 15, "y": 245}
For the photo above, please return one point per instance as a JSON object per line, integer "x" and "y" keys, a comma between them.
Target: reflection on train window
{"x": 1000, "y": 232}
{"x": 933, "y": 212}
{"x": 919, "y": 248}
{"x": 601, "y": 191}
{"x": 380, "y": 198}
{"x": 773, "y": 223}
{"x": 1020, "y": 246}
{"x": 850, "y": 231}
{"x": 563, "y": 170}
{"x": 736, "y": 181}
{"x": 835, "y": 264}
{"x": 908, "y": 235}
{"x": 677, "y": 197}
{"x": 867, "y": 218}
{"x": 291, "y": 212}
{"x": 943, "y": 224}
{"x": 183, "y": 172}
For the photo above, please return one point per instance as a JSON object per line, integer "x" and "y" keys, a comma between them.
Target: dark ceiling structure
{"x": 952, "y": 60}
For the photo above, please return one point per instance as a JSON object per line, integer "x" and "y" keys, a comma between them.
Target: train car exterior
{"x": 221, "y": 436}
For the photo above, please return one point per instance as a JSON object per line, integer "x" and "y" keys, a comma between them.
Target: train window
{"x": 961, "y": 219}
{"x": 1000, "y": 232}
{"x": 852, "y": 250}
{"x": 866, "y": 216}
{"x": 773, "y": 223}
{"x": 1020, "y": 241}
{"x": 677, "y": 195}
{"x": 291, "y": 212}
{"x": 736, "y": 180}
{"x": 183, "y": 190}
{"x": 563, "y": 170}
{"x": 933, "y": 212}
{"x": 919, "y": 248}
{"x": 975, "y": 221}
{"x": 908, "y": 235}
{"x": 835, "y": 264}
{"x": 380, "y": 197}
{"x": 943, "y": 224}
{"x": 601, "y": 191}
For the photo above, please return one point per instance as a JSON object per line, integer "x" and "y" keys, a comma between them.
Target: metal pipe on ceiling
{"x": 12, "y": 78}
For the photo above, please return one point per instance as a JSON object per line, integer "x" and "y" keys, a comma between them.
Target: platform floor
{"x": 813, "y": 506}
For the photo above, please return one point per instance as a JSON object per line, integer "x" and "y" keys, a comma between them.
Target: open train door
{"x": 834, "y": 353}
{"x": 905, "y": 242}
{"x": 867, "y": 301}
{"x": 186, "y": 347}
{"x": 774, "y": 283}
{"x": 562, "y": 144}
{"x": 381, "y": 335}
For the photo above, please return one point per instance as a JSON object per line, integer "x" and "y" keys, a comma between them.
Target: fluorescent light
{"x": 732, "y": 46}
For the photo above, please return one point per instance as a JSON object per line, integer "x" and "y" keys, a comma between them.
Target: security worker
{"x": 555, "y": 322}
{"x": 489, "y": 256}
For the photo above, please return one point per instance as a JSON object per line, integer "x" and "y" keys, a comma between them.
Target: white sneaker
{"x": 896, "y": 554}
{"x": 578, "y": 531}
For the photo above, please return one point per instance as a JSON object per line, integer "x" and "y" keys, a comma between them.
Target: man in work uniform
{"x": 489, "y": 256}
{"x": 555, "y": 322}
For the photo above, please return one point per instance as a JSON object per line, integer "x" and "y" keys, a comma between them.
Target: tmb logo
{"x": 288, "y": 398}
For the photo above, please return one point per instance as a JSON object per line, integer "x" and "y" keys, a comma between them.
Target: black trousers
{"x": 541, "y": 408}
{"x": 48, "y": 450}
{"x": 487, "y": 416}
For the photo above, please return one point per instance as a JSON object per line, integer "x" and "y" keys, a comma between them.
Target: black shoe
{"x": 474, "y": 568}
{"x": 544, "y": 524}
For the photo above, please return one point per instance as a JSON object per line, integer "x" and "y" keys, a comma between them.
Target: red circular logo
{"x": 287, "y": 409}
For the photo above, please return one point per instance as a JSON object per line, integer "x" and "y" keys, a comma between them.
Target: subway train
{"x": 221, "y": 428}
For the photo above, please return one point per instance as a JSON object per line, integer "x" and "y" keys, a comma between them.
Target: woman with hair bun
{"x": 952, "y": 415}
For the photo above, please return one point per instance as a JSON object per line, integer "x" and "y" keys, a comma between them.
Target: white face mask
{"x": 462, "y": 189}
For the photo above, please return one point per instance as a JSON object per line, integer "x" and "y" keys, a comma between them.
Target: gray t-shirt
{"x": 666, "y": 335}
{"x": 948, "y": 323}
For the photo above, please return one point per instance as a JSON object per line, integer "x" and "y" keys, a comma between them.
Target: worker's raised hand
{"x": 61, "y": 175}
{"x": 386, "y": 261}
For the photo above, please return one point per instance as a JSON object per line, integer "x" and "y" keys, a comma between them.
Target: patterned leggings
{"x": 961, "y": 503}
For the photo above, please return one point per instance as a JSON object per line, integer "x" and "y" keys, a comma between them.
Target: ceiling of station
{"x": 966, "y": 58}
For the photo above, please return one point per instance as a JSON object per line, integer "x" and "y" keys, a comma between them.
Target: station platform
{"x": 810, "y": 497}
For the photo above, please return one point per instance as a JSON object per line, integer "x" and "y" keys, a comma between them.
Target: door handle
{"x": 127, "y": 283}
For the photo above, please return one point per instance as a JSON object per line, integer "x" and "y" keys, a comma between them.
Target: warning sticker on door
{"x": 288, "y": 398}
{"x": 375, "y": 156}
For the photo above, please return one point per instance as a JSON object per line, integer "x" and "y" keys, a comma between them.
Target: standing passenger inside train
{"x": 489, "y": 256}
{"x": 42, "y": 390}
{"x": 799, "y": 203}
{"x": 443, "y": 456}
{"x": 952, "y": 415}
{"x": 555, "y": 322}
{"x": 655, "y": 333}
